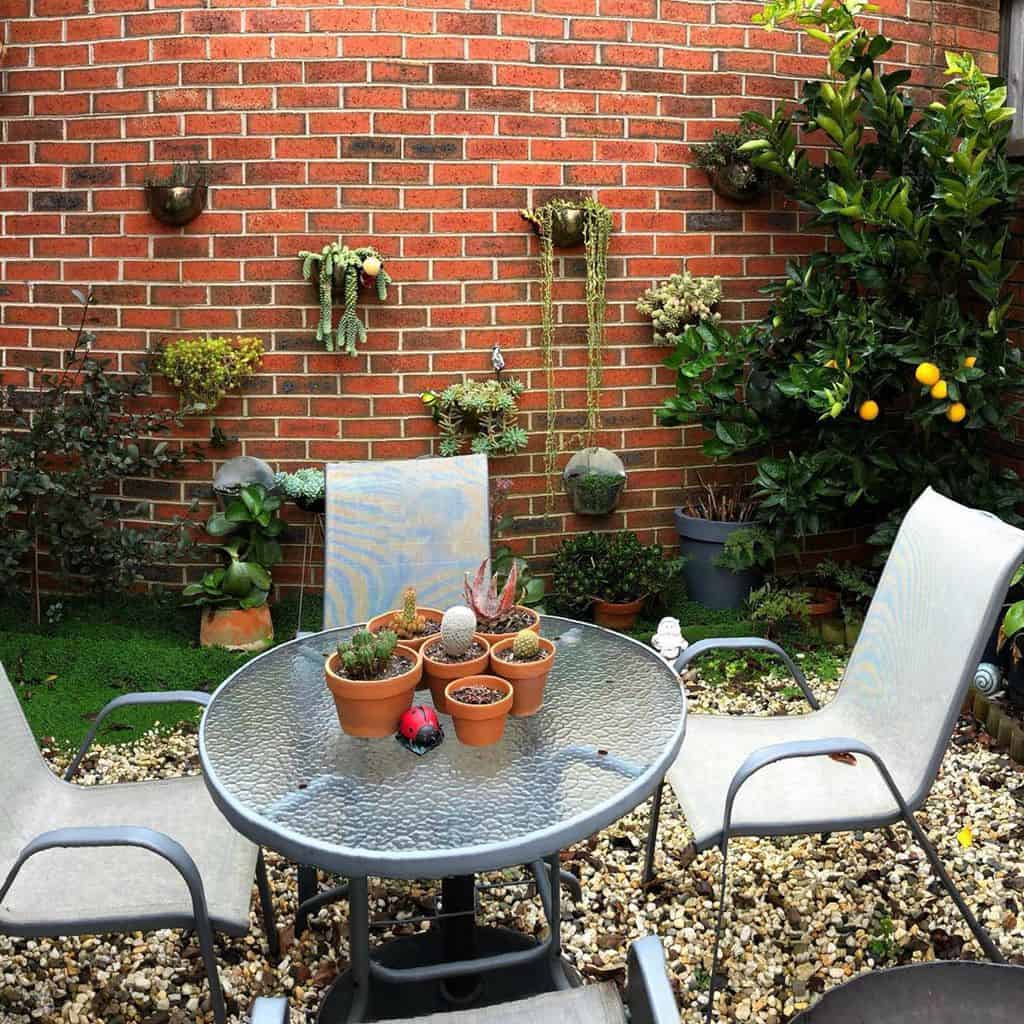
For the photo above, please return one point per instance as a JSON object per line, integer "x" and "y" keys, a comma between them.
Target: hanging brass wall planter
{"x": 180, "y": 198}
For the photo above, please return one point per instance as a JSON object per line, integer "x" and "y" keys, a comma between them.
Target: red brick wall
{"x": 420, "y": 127}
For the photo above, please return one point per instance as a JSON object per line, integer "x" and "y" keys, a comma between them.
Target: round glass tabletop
{"x": 285, "y": 775}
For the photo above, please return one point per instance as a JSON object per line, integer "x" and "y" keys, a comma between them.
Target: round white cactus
{"x": 458, "y": 625}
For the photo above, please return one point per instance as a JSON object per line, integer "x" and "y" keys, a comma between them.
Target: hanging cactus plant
{"x": 339, "y": 267}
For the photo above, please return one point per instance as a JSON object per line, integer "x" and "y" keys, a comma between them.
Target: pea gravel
{"x": 804, "y": 914}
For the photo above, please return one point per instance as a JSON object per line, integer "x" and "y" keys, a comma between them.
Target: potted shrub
{"x": 233, "y": 597}
{"x": 479, "y": 706}
{"x": 410, "y": 623}
{"x": 459, "y": 651}
{"x": 525, "y": 660}
{"x": 721, "y": 569}
{"x": 613, "y": 574}
{"x": 730, "y": 169}
{"x": 372, "y": 678}
{"x": 306, "y": 488}
{"x": 594, "y": 478}
{"x": 497, "y": 614}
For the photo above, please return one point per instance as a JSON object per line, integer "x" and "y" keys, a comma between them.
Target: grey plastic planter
{"x": 701, "y": 541}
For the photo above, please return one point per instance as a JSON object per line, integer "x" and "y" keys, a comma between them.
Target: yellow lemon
{"x": 940, "y": 389}
{"x": 969, "y": 361}
{"x": 832, "y": 364}
{"x": 868, "y": 410}
{"x": 956, "y": 412}
{"x": 927, "y": 374}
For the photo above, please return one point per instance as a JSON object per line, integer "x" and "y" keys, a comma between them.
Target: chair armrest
{"x": 158, "y": 697}
{"x": 747, "y": 643}
{"x": 649, "y": 993}
{"x": 269, "y": 1011}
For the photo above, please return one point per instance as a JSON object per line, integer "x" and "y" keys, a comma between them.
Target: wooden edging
{"x": 1006, "y": 731}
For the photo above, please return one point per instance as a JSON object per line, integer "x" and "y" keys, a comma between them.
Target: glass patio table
{"x": 284, "y": 774}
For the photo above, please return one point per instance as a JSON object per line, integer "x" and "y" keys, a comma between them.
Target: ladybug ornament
{"x": 419, "y": 729}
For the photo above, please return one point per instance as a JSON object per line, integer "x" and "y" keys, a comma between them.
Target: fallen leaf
{"x": 965, "y": 837}
{"x": 844, "y": 757}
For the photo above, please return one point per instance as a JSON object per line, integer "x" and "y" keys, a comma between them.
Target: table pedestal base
{"x": 415, "y": 999}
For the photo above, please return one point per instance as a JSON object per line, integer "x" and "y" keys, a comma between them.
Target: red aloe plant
{"x": 483, "y": 598}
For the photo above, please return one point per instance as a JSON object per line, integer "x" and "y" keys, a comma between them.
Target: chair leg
{"x": 267, "y": 907}
{"x": 308, "y": 885}
{"x": 652, "y": 834}
{"x": 204, "y": 933}
{"x": 718, "y": 928}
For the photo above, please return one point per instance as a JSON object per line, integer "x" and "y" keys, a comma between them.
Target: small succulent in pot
{"x": 306, "y": 487}
{"x": 497, "y": 613}
{"x": 728, "y": 166}
{"x": 367, "y": 655}
{"x": 459, "y": 652}
{"x": 408, "y": 623}
{"x": 526, "y": 645}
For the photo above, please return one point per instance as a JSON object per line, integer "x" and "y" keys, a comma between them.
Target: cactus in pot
{"x": 408, "y": 623}
{"x": 526, "y": 645}
{"x": 367, "y": 655}
{"x": 457, "y": 628}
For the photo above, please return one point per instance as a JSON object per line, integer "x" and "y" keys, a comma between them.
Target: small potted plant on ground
{"x": 306, "y": 487}
{"x": 372, "y": 678}
{"x": 856, "y": 588}
{"x": 233, "y": 597}
{"x": 729, "y": 168}
{"x": 525, "y": 660}
{"x": 410, "y": 623}
{"x": 613, "y": 574}
{"x": 459, "y": 651}
{"x": 497, "y": 615}
{"x": 479, "y": 706}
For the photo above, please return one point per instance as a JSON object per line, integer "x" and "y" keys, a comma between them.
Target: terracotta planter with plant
{"x": 617, "y": 614}
{"x": 497, "y": 615}
{"x": 479, "y": 706}
{"x": 236, "y": 629}
{"x": 459, "y": 651}
{"x": 372, "y": 679}
{"x": 525, "y": 660}
{"x": 412, "y": 624}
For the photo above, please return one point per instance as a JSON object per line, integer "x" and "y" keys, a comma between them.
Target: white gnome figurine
{"x": 669, "y": 641}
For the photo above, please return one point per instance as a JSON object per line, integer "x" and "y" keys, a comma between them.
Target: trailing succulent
{"x": 250, "y": 526}
{"x": 485, "y": 409}
{"x": 367, "y": 655}
{"x": 613, "y": 567}
{"x": 204, "y": 370}
{"x": 339, "y": 267}
{"x": 884, "y": 364}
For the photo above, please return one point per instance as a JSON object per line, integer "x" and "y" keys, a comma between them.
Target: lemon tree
{"x": 883, "y": 364}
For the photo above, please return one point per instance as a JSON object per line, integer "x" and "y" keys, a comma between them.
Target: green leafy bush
{"x": 883, "y": 365}
{"x": 613, "y": 567}
{"x": 771, "y": 606}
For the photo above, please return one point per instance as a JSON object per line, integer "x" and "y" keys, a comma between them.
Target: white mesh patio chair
{"x": 139, "y": 856}
{"x": 936, "y": 604}
{"x": 649, "y": 1000}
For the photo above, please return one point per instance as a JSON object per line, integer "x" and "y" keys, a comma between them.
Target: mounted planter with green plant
{"x": 306, "y": 487}
{"x": 883, "y": 365}
{"x": 729, "y": 167}
{"x": 339, "y": 270}
{"x": 678, "y": 302}
{"x": 204, "y": 370}
{"x": 485, "y": 410}
{"x": 613, "y": 575}
{"x": 594, "y": 479}
{"x": 233, "y": 598}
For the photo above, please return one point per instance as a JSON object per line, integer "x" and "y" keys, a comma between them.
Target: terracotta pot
{"x": 237, "y": 629}
{"x": 528, "y": 678}
{"x": 379, "y": 622}
{"x": 371, "y": 708}
{"x": 479, "y": 725}
{"x": 493, "y": 638}
{"x": 439, "y": 674}
{"x": 617, "y": 615}
{"x": 820, "y": 601}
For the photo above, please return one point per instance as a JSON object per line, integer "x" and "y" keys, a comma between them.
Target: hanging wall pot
{"x": 594, "y": 479}
{"x": 179, "y": 198}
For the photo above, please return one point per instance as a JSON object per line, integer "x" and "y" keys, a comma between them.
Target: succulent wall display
{"x": 486, "y": 410}
{"x": 679, "y": 301}
{"x": 204, "y": 370}
{"x": 728, "y": 166}
{"x": 342, "y": 270}
{"x": 306, "y": 487}
{"x": 565, "y": 222}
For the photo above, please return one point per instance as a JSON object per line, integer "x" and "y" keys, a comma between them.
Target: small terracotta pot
{"x": 237, "y": 629}
{"x": 379, "y": 622}
{"x": 617, "y": 615}
{"x": 479, "y": 725}
{"x": 528, "y": 678}
{"x": 493, "y": 638}
{"x": 371, "y": 708}
{"x": 820, "y": 601}
{"x": 439, "y": 674}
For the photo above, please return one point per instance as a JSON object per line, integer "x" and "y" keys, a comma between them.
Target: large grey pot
{"x": 701, "y": 541}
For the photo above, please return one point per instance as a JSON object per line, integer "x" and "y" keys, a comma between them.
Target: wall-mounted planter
{"x": 738, "y": 180}
{"x": 179, "y": 199}
{"x": 594, "y": 479}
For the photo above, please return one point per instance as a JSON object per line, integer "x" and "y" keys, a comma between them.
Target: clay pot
{"x": 237, "y": 629}
{"x": 528, "y": 678}
{"x": 382, "y": 621}
{"x": 439, "y": 673}
{"x": 479, "y": 725}
{"x": 371, "y": 708}
{"x": 493, "y": 638}
{"x": 820, "y": 601}
{"x": 617, "y": 615}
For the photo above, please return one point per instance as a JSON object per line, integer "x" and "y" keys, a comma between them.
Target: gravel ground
{"x": 804, "y": 914}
